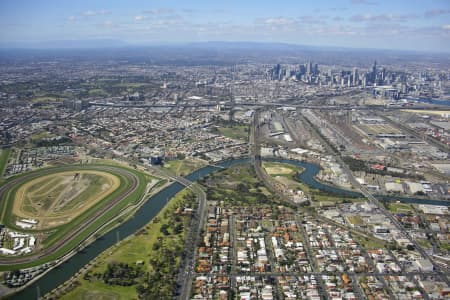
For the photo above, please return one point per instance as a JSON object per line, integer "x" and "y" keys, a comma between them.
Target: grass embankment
{"x": 60, "y": 232}
{"x": 183, "y": 167}
{"x": 4, "y": 155}
{"x": 155, "y": 250}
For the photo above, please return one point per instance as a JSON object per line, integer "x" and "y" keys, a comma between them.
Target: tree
{"x": 164, "y": 229}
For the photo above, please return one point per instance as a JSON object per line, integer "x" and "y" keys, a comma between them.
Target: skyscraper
{"x": 308, "y": 68}
{"x": 373, "y": 76}
{"x": 355, "y": 76}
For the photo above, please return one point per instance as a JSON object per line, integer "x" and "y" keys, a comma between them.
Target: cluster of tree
{"x": 360, "y": 165}
{"x": 121, "y": 274}
{"x": 160, "y": 282}
{"x": 246, "y": 192}
{"x": 53, "y": 142}
{"x": 226, "y": 123}
{"x": 175, "y": 228}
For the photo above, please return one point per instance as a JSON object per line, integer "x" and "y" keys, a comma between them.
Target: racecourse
{"x": 87, "y": 208}
{"x": 56, "y": 199}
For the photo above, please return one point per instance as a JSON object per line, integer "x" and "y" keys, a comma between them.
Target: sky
{"x": 420, "y": 25}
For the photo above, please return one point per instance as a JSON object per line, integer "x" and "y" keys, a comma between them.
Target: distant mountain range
{"x": 213, "y": 45}
{"x": 213, "y": 52}
{"x": 68, "y": 44}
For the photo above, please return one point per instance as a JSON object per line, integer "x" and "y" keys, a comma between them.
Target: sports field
{"x": 278, "y": 168}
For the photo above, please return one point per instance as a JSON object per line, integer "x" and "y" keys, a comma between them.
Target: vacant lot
{"x": 379, "y": 129}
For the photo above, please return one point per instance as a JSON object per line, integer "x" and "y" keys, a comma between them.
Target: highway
{"x": 267, "y": 105}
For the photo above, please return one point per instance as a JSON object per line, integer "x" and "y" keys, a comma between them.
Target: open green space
{"x": 154, "y": 250}
{"x": 182, "y": 167}
{"x": 369, "y": 243}
{"x": 444, "y": 246}
{"x": 97, "y": 92}
{"x": 44, "y": 99}
{"x": 41, "y": 135}
{"x": 275, "y": 169}
{"x": 58, "y": 233}
{"x": 4, "y": 155}
{"x": 239, "y": 132}
{"x": 355, "y": 220}
{"x": 130, "y": 85}
{"x": 399, "y": 207}
{"x": 424, "y": 243}
{"x": 237, "y": 186}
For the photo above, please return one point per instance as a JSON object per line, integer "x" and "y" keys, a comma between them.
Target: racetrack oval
{"x": 67, "y": 236}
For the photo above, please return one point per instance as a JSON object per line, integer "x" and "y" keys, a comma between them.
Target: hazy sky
{"x": 395, "y": 24}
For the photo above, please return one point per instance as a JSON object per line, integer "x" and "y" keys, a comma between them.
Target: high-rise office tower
{"x": 355, "y": 77}
{"x": 308, "y": 68}
{"x": 374, "y": 72}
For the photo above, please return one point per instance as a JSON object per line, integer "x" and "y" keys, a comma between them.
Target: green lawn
{"x": 130, "y": 85}
{"x": 239, "y": 132}
{"x": 276, "y": 165}
{"x": 97, "y": 92}
{"x": 424, "y": 243}
{"x": 400, "y": 207}
{"x": 4, "y": 154}
{"x": 44, "y": 99}
{"x": 368, "y": 243}
{"x": 183, "y": 167}
{"x": 41, "y": 135}
{"x": 355, "y": 220}
{"x": 98, "y": 290}
{"x": 444, "y": 246}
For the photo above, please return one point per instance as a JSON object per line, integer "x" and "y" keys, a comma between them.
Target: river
{"x": 431, "y": 101}
{"x": 151, "y": 208}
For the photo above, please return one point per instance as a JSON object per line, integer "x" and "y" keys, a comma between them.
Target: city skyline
{"x": 399, "y": 25}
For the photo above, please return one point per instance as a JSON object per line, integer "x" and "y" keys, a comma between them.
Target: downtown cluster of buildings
{"x": 382, "y": 82}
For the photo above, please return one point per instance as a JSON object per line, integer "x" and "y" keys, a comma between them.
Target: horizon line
{"x": 120, "y": 44}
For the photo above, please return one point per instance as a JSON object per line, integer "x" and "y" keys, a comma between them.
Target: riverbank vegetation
{"x": 237, "y": 186}
{"x": 144, "y": 266}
